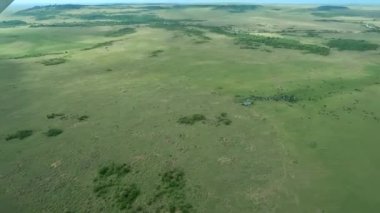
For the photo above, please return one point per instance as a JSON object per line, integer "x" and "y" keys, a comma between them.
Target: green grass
{"x": 213, "y": 110}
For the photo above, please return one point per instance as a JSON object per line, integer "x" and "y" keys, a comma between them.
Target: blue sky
{"x": 198, "y": 1}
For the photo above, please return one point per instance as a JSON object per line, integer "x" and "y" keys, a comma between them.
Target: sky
{"x": 199, "y": 1}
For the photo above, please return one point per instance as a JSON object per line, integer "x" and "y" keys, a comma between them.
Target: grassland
{"x": 190, "y": 108}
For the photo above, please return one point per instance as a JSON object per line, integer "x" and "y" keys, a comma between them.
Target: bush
{"x": 83, "y": 118}
{"x": 21, "y": 135}
{"x": 222, "y": 119}
{"x": 190, "y": 120}
{"x": 156, "y": 53}
{"x": 126, "y": 196}
{"x": 53, "y": 132}
{"x": 114, "y": 169}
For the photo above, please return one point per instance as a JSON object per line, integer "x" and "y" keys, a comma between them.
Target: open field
{"x": 190, "y": 108}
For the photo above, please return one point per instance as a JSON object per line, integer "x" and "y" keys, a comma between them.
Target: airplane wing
{"x": 4, "y": 4}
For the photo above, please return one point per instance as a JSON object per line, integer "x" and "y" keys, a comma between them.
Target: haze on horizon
{"x": 330, "y": 2}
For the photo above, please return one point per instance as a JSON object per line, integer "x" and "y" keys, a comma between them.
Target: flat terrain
{"x": 190, "y": 108}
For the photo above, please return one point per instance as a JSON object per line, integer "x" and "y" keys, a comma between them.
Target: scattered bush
{"x": 109, "y": 185}
{"x": 21, "y": 135}
{"x": 126, "y": 196}
{"x": 173, "y": 191}
{"x": 250, "y": 41}
{"x": 190, "y": 120}
{"x": 222, "y": 119}
{"x": 118, "y": 170}
{"x": 53, "y": 132}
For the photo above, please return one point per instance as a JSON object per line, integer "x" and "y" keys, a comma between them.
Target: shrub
{"x": 114, "y": 169}
{"x": 21, "y": 135}
{"x": 126, "y": 196}
{"x": 53, "y": 132}
{"x": 222, "y": 119}
{"x": 156, "y": 53}
{"x": 83, "y": 117}
{"x": 190, "y": 120}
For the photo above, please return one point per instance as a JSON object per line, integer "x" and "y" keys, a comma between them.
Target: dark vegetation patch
{"x": 55, "y": 115}
{"x": 35, "y": 55}
{"x": 253, "y": 41}
{"x": 12, "y": 23}
{"x": 192, "y": 29}
{"x": 121, "y": 18}
{"x": 99, "y": 45}
{"x": 113, "y": 185}
{"x": 53, "y": 61}
{"x": 331, "y": 20}
{"x": 121, "y": 32}
{"x": 113, "y": 169}
{"x": 352, "y": 44}
{"x": 53, "y": 132}
{"x": 305, "y": 32}
{"x": 236, "y": 8}
{"x": 83, "y": 118}
{"x": 191, "y": 119}
{"x": 21, "y": 135}
{"x": 156, "y": 53}
{"x": 346, "y": 12}
{"x": 171, "y": 193}
{"x": 329, "y": 8}
{"x": 126, "y": 196}
{"x": 223, "y": 119}
{"x": 247, "y": 41}
{"x": 47, "y": 12}
{"x": 109, "y": 185}
{"x": 187, "y": 28}
{"x": 250, "y": 100}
